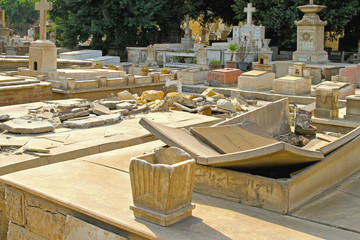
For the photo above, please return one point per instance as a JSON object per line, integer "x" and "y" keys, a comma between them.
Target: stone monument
{"x": 201, "y": 57}
{"x": 42, "y": 53}
{"x": 310, "y": 35}
{"x": 150, "y": 56}
{"x": 187, "y": 39}
{"x": 252, "y": 36}
{"x": 4, "y": 31}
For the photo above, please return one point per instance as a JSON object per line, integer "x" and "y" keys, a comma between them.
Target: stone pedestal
{"x": 353, "y": 108}
{"x": 256, "y": 80}
{"x": 42, "y": 56}
{"x": 194, "y": 76}
{"x": 327, "y": 102}
{"x": 292, "y": 85}
{"x": 162, "y": 185}
{"x": 226, "y": 77}
{"x": 310, "y": 36}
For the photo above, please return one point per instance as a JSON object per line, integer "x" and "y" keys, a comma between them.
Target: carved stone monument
{"x": 150, "y": 56}
{"x": 327, "y": 102}
{"x": 201, "y": 56}
{"x": 42, "y": 53}
{"x": 310, "y": 35}
{"x": 187, "y": 39}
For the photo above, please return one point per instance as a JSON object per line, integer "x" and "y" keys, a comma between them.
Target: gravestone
{"x": 42, "y": 53}
{"x": 201, "y": 56}
{"x": 150, "y": 56}
{"x": 187, "y": 39}
{"x": 310, "y": 35}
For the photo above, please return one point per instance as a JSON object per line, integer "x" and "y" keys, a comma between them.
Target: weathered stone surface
{"x": 164, "y": 197}
{"x": 15, "y": 206}
{"x": 261, "y": 81}
{"x": 353, "y": 108}
{"x": 92, "y": 121}
{"x": 80, "y": 230}
{"x": 224, "y": 77}
{"x": 99, "y": 109}
{"x": 327, "y": 102}
{"x": 126, "y": 105}
{"x": 152, "y": 95}
{"x": 16, "y": 232}
{"x": 4, "y": 117}
{"x": 125, "y": 95}
{"x": 292, "y": 85}
{"x": 225, "y": 105}
{"x": 27, "y": 126}
{"x": 44, "y": 218}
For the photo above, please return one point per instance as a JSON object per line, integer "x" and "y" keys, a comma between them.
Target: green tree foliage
{"x": 278, "y": 17}
{"x": 114, "y": 24}
{"x": 19, "y": 13}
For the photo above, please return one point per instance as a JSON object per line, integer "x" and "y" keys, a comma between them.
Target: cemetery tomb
{"x": 327, "y": 102}
{"x": 298, "y": 81}
{"x": 256, "y": 80}
{"x": 345, "y": 88}
{"x": 16, "y": 89}
{"x": 310, "y": 35}
{"x": 81, "y": 55}
{"x": 295, "y": 185}
{"x": 352, "y": 108}
{"x": 226, "y": 77}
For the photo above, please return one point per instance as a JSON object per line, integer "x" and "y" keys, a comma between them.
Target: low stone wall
{"x": 18, "y": 94}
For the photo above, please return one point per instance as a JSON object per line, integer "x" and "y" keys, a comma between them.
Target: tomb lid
{"x": 290, "y": 78}
{"x": 353, "y": 97}
{"x": 254, "y": 73}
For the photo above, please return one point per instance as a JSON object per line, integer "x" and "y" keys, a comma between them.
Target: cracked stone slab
{"x": 93, "y": 121}
{"x": 4, "y": 117}
{"x": 27, "y": 126}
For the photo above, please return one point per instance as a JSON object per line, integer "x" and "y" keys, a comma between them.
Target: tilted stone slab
{"x": 27, "y": 126}
{"x": 93, "y": 121}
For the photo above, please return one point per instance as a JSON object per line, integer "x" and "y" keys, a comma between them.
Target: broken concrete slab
{"x": 92, "y": 121}
{"x": 270, "y": 155}
{"x": 233, "y": 138}
{"x": 178, "y": 138}
{"x": 27, "y": 126}
{"x": 99, "y": 109}
{"x": 273, "y": 117}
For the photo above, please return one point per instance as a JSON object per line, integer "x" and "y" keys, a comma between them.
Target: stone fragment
{"x": 125, "y": 105}
{"x": 125, "y": 95}
{"x": 93, "y": 121}
{"x": 303, "y": 123}
{"x": 236, "y": 103}
{"x": 225, "y": 105}
{"x": 99, "y": 109}
{"x": 27, "y": 126}
{"x": 80, "y": 230}
{"x": 4, "y": 117}
{"x": 208, "y": 92}
{"x": 110, "y": 104}
{"x": 160, "y": 105}
{"x": 152, "y": 95}
{"x": 205, "y": 110}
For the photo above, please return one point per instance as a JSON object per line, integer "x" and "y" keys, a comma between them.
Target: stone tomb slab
{"x": 346, "y": 89}
{"x": 352, "y": 108}
{"x": 81, "y": 54}
{"x": 110, "y": 202}
{"x": 256, "y": 80}
{"x": 226, "y": 77}
{"x": 292, "y": 85}
{"x": 27, "y": 126}
{"x": 269, "y": 154}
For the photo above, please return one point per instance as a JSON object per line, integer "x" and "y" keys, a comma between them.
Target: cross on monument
{"x": 43, "y": 6}
{"x": 249, "y": 10}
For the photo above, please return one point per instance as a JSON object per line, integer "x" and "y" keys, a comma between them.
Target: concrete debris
{"x": 303, "y": 124}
